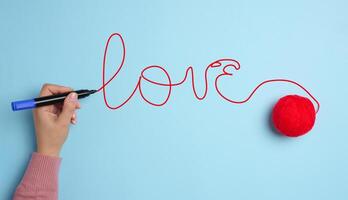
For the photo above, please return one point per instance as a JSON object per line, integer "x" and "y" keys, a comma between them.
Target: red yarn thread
{"x": 218, "y": 63}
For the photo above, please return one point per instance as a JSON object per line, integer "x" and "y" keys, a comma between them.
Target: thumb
{"x": 69, "y": 107}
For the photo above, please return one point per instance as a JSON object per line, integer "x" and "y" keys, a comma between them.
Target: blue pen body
{"x": 23, "y": 105}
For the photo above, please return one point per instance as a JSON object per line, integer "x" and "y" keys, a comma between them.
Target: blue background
{"x": 188, "y": 149}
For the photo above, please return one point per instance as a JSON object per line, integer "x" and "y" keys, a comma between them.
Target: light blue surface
{"x": 188, "y": 149}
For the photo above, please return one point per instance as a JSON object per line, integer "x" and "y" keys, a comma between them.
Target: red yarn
{"x": 293, "y": 115}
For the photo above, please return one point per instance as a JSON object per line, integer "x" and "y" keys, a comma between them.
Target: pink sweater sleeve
{"x": 40, "y": 180}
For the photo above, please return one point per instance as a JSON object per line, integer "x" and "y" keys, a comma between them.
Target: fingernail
{"x": 72, "y": 97}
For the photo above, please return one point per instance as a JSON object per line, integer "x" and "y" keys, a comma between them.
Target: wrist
{"x": 48, "y": 151}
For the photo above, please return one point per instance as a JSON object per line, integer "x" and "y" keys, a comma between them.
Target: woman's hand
{"x": 52, "y": 122}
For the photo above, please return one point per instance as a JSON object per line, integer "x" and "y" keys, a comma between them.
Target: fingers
{"x": 74, "y": 119}
{"x": 74, "y": 116}
{"x": 68, "y": 114}
{"x": 50, "y": 89}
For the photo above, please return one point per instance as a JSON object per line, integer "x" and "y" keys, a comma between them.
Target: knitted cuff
{"x": 42, "y": 172}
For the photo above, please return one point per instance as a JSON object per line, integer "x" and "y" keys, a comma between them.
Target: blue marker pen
{"x": 47, "y": 100}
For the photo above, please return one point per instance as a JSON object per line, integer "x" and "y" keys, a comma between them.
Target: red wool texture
{"x": 293, "y": 115}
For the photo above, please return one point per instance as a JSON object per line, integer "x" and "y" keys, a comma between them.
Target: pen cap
{"x": 22, "y": 105}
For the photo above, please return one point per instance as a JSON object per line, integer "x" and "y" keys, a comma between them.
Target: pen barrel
{"x": 53, "y": 99}
{"x": 47, "y": 100}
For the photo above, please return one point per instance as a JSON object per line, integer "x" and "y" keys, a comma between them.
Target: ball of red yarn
{"x": 293, "y": 115}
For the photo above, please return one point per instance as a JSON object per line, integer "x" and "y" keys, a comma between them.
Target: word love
{"x": 225, "y": 64}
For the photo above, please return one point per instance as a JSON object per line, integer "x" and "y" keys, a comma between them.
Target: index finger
{"x": 50, "y": 89}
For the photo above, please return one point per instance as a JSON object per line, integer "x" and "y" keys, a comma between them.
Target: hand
{"x": 52, "y": 122}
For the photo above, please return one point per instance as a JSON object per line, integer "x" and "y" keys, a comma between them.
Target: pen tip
{"x": 93, "y": 91}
